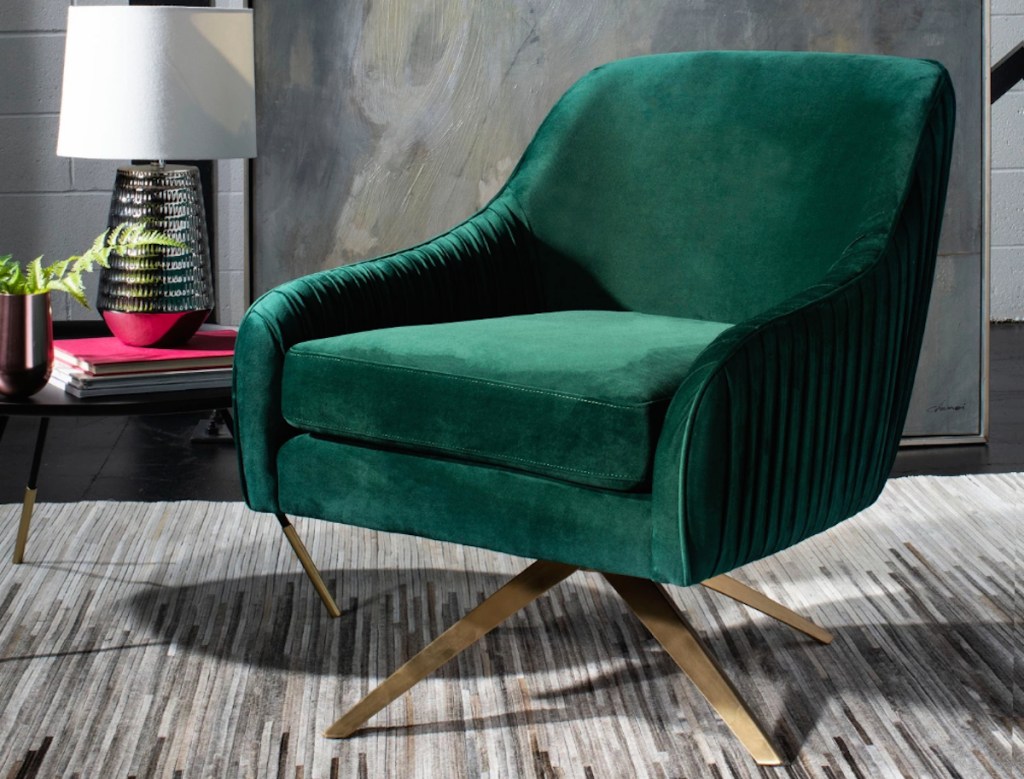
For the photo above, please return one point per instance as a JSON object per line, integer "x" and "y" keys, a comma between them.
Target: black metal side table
{"x": 54, "y": 402}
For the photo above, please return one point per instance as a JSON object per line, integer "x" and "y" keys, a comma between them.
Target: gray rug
{"x": 181, "y": 639}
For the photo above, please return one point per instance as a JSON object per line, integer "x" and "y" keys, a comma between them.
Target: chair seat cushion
{"x": 574, "y": 395}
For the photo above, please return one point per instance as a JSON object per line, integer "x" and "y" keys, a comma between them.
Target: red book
{"x": 103, "y": 356}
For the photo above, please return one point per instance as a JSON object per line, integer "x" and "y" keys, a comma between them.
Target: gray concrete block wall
{"x": 45, "y": 208}
{"x": 55, "y": 206}
{"x": 1007, "y": 240}
{"x": 232, "y": 238}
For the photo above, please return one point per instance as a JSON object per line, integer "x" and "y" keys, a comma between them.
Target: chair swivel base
{"x": 647, "y": 599}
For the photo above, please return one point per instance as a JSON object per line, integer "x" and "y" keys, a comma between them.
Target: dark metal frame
{"x": 1006, "y": 73}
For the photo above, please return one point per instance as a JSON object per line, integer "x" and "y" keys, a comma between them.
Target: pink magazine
{"x": 107, "y": 355}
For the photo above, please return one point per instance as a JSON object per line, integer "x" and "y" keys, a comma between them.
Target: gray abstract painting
{"x": 382, "y": 124}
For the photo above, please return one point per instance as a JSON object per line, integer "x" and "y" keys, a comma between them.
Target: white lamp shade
{"x": 158, "y": 83}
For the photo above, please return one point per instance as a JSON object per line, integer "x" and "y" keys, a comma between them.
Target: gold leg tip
{"x": 765, "y": 754}
{"x": 334, "y": 731}
{"x": 333, "y": 611}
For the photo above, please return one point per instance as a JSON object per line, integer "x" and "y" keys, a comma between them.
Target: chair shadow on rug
{"x": 224, "y": 619}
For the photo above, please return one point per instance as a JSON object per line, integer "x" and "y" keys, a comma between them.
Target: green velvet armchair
{"x": 682, "y": 337}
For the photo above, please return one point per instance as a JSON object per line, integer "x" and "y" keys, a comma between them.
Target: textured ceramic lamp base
{"x": 159, "y": 296}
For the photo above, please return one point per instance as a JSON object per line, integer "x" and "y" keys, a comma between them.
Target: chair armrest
{"x": 790, "y": 422}
{"x": 481, "y": 268}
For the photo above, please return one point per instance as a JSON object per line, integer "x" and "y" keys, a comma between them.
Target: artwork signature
{"x": 938, "y": 408}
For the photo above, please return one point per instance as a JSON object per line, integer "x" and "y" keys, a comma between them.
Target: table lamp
{"x": 155, "y": 83}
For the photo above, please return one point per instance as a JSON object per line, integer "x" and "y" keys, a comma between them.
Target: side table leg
{"x": 30, "y": 492}
{"x": 225, "y": 417}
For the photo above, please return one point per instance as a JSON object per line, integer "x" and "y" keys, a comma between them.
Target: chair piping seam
{"x": 487, "y": 382}
{"x": 313, "y": 426}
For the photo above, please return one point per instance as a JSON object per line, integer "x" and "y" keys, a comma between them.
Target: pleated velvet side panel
{"x": 794, "y": 418}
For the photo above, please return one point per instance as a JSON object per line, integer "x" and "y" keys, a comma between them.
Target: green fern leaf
{"x": 74, "y": 287}
{"x": 35, "y": 277}
{"x": 97, "y": 245}
{"x": 9, "y": 271}
{"x": 56, "y": 270}
{"x": 16, "y": 281}
{"x": 113, "y": 236}
{"x": 66, "y": 275}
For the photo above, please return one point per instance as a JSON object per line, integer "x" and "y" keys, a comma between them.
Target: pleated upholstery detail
{"x": 481, "y": 268}
{"x": 790, "y": 422}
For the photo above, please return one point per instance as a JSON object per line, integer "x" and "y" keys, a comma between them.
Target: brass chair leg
{"x": 309, "y": 566}
{"x": 540, "y": 577}
{"x": 738, "y": 591}
{"x": 651, "y": 604}
{"x": 21, "y": 541}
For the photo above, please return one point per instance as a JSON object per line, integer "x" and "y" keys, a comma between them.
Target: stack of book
{"x": 99, "y": 367}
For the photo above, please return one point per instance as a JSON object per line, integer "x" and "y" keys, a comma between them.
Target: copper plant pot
{"x": 26, "y": 344}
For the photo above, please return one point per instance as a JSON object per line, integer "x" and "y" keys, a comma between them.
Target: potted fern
{"x": 26, "y": 322}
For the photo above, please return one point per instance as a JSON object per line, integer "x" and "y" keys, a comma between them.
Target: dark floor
{"x": 118, "y": 458}
{"x": 153, "y": 458}
{"x": 1005, "y": 449}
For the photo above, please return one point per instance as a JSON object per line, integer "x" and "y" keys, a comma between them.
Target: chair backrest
{"x": 715, "y": 185}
